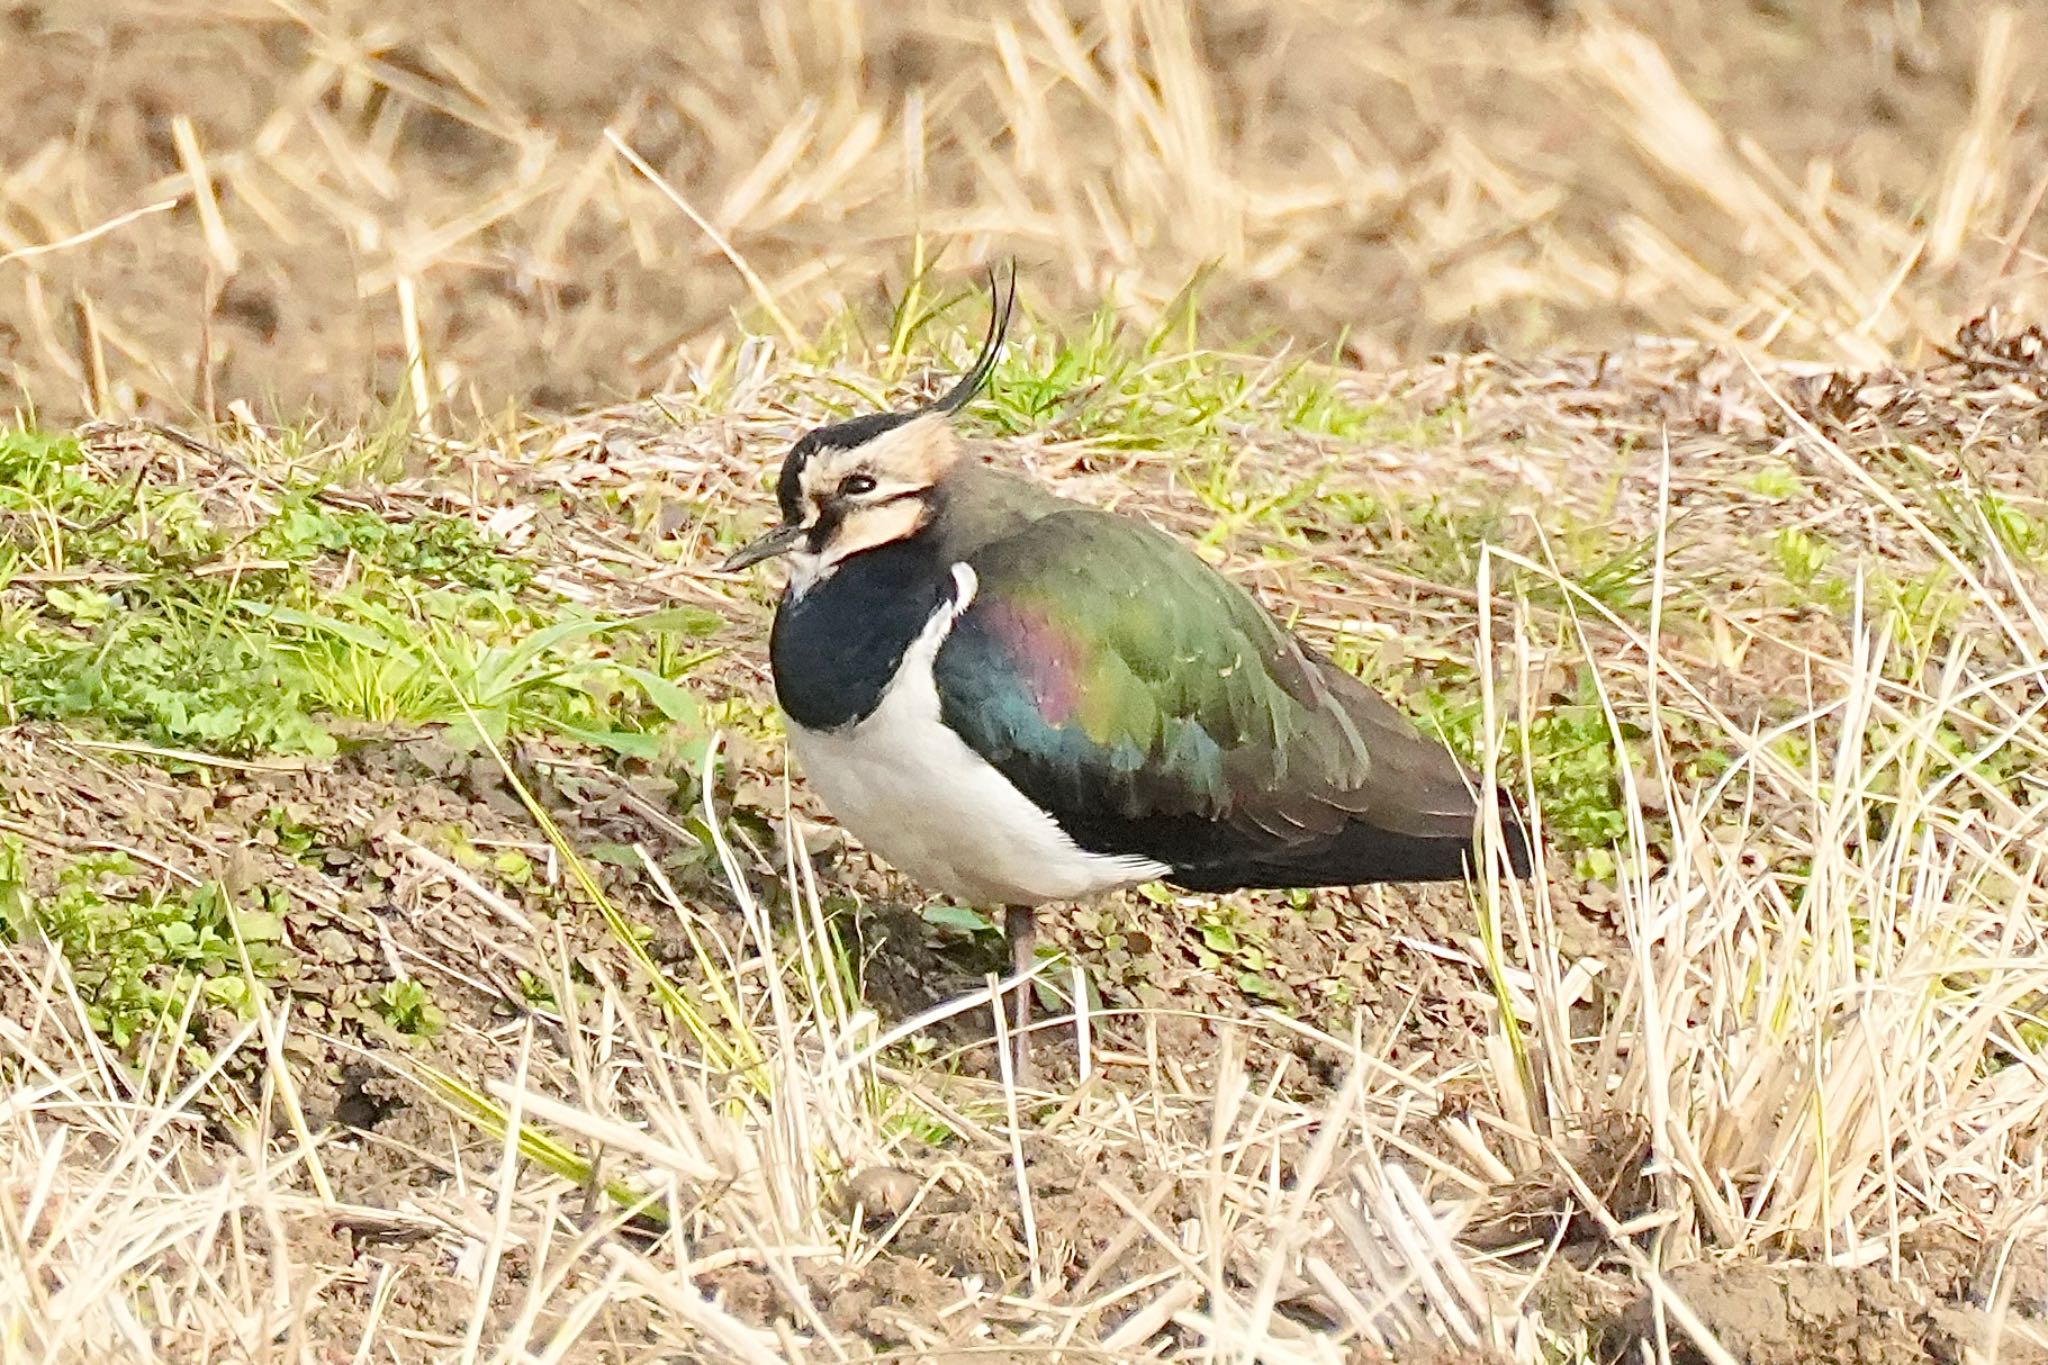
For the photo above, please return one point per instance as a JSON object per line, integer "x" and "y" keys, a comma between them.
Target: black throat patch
{"x": 837, "y": 648}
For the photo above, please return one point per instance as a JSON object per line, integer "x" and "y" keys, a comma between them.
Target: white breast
{"x": 919, "y": 798}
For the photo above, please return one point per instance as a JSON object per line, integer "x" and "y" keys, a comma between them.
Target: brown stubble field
{"x": 1836, "y": 181}
{"x": 1646, "y": 443}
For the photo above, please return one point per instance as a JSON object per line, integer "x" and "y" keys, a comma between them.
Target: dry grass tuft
{"x": 426, "y": 211}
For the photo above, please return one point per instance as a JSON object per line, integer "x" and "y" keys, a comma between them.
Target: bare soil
{"x": 1788, "y": 1314}
{"x": 1407, "y": 176}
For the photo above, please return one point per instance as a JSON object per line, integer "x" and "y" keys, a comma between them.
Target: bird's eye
{"x": 856, "y": 485}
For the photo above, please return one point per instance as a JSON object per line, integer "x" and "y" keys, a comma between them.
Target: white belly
{"x": 920, "y": 799}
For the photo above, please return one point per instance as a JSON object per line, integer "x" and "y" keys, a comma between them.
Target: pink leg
{"x": 1017, "y": 926}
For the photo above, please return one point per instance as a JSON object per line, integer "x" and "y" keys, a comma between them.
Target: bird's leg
{"x": 1023, "y": 936}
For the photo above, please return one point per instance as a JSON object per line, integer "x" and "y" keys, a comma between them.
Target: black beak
{"x": 779, "y": 541}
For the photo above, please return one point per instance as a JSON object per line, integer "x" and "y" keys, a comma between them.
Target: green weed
{"x": 1776, "y": 482}
{"x": 138, "y": 952}
{"x": 131, "y": 606}
{"x": 1800, "y": 555}
{"x": 1236, "y": 945}
{"x": 408, "y": 1009}
{"x": 1118, "y": 388}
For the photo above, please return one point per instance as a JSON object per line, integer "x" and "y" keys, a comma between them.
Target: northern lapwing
{"x": 1016, "y": 699}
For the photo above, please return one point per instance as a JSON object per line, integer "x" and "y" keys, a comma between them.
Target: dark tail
{"x": 1357, "y": 855}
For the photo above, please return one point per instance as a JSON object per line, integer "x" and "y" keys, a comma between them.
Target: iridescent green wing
{"x": 1153, "y": 707}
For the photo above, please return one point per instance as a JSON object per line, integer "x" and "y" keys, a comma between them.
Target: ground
{"x": 353, "y": 185}
{"x": 413, "y": 946}
{"x": 276, "y": 722}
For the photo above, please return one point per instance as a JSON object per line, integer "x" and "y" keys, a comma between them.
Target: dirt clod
{"x": 1795, "y": 1314}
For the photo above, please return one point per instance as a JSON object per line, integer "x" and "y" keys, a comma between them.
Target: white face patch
{"x": 904, "y": 459}
{"x": 863, "y": 528}
{"x": 871, "y": 527}
{"x": 806, "y": 571}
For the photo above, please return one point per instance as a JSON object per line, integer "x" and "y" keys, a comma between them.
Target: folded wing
{"x": 1155, "y": 708}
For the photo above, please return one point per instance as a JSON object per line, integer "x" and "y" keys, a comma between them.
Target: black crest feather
{"x": 971, "y": 383}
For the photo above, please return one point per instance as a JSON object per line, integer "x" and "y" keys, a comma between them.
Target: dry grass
{"x": 1792, "y": 1016}
{"x": 373, "y": 208}
{"x": 1812, "y": 1033}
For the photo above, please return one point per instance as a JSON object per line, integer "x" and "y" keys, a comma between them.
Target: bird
{"x": 1018, "y": 700}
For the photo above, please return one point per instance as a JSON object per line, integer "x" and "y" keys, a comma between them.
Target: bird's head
{"x": 870, "y": 481}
